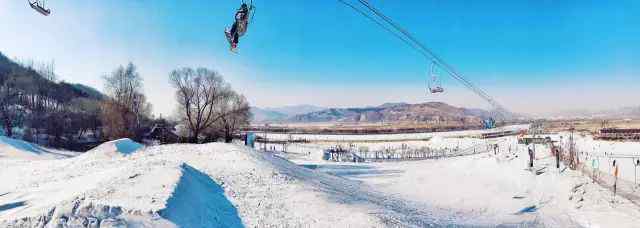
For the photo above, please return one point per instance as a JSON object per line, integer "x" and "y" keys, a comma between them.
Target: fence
{"x": 404, "y": 154}
{"x": 582, "y": 161}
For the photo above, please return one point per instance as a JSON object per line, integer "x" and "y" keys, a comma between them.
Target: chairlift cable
{"x": 435, "y": 58}
{"x": 407, "y": 42}
{"x": 430, "y": 55}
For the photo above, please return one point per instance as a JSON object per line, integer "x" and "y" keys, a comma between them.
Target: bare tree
{"x": 124, "y": 87}
{"x": 199, "y": 93}
{"x": 237, "y": 114}
{"x": 86, "y": 116}
{"x": 47, "y": 70}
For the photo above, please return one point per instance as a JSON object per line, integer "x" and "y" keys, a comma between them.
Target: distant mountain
{"x": 279, "y": 114}
{"x": 391, "y": 104}
{"x": 395, "y": 112}
{"x": 617, "y": 113}
{"x": 261, "y": 115}
{"x": 293, "y": 110}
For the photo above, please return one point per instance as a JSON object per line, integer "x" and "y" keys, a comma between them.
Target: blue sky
{"x": 565, "y": 54}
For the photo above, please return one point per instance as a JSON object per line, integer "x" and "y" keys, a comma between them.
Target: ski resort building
{"x": 619, "y": 134}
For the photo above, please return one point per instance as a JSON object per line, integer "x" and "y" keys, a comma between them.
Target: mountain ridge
{"x": 395, "y": 112}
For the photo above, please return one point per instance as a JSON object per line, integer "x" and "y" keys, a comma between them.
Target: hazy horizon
{"x": 533, "y": 57}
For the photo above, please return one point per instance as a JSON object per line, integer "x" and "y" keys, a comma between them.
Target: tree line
{"x": 36, "y": 107}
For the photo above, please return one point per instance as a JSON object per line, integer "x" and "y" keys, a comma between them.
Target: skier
{"x": 594, "y": 165}
{"x": 557, "y": 158}
{"x": 530, "y": 157}
{"x": 615, "y": 182}
{"x": 239, "y": 26}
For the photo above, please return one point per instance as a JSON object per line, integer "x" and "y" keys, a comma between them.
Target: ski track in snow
{"x": 393, "y": 212}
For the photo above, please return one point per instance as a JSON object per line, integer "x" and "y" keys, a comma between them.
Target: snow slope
{"x": 211, "y": 185}
{"x": 225, "y": 185}
{"x": 491, "y": 190}
{"x": 17, "y": 149}
{"x": 626, "y": 155}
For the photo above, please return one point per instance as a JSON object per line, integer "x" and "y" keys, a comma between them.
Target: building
{"x": 162, "y": 134}
{"x": 619, "y": 134}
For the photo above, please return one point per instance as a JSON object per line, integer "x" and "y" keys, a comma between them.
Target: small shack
{"x": 163, "y": 134}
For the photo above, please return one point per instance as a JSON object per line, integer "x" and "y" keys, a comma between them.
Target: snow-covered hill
{"x": 395, "y": 112}
{"x": 211, "y": 185}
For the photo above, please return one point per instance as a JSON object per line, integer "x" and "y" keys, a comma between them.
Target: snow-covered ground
{"x": 488, "y": 189}
{"x": 626, "y": 155}
{"x": 124, "y": 184}
{"x": 211, "y": 185}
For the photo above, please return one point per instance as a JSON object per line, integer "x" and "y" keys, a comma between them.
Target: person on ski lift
{"x": 241, "y": 21}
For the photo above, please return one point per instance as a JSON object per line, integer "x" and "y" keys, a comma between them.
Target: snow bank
{"x": 17, "y": 149}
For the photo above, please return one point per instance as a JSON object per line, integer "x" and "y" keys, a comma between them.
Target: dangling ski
{"x": 227, "y": 34}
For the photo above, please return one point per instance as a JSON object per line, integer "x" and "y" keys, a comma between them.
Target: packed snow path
{"x": 392, "y": 211}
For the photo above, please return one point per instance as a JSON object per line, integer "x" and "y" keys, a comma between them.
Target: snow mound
{"x": 124, "y": 194}
{"x": 17, "y": 149}
{"x": 119, "y": 147}
{"x": 181, "y": 185}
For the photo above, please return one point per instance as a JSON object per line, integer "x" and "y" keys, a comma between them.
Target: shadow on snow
{"x": 10, "y": 206}
{"x": 198, "y": 201}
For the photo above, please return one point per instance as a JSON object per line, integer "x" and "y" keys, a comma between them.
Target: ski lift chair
{"x": 36, "y": 5}
{"x": 434, "y": 84}
{"x": 437, "y": 89}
